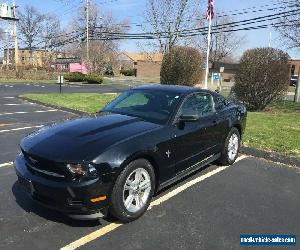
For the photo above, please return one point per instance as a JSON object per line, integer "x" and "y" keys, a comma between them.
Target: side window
{"x": 198, "y": 104}
{"x": 220, "y": 103}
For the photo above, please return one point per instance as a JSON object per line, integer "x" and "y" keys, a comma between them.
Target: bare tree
{"x": 31, "y": 25}
{"x": 224, "y": 41}
{"x": 289, "y": 28}
{"x": 1, "y": 34}
{"x": 102, "y": 57}
{"x": 52, "y": 33}
{"x": 167, "y": 19}
{"x": 103, "y": 52}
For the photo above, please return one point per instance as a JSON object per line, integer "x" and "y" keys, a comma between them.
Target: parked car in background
{"x": 146, "y": 139}
{"x": 294, "y": 80}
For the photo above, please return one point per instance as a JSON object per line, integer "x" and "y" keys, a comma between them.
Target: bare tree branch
{"x": 223, "y": 44}
{"x": 102, "y": 53}
{"x": 170, "y": 17}
{"x": 290, "y": 30}
{"x": 31, "y": 25}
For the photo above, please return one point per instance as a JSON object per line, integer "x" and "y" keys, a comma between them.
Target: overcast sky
{"x": 134, "y": 9}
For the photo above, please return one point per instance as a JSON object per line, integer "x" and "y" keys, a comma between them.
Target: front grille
{"x": 45, "y": 168}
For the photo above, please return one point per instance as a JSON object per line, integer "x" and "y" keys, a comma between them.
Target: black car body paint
{"x": 109, "y": 141}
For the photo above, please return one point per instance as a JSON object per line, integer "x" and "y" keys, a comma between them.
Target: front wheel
{"x": 133, "y": 191}
{"x": 231, "y": 147}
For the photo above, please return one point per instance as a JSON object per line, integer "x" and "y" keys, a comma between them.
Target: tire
{"x": 231, "y": 149}
{"x": 129, "y": 198}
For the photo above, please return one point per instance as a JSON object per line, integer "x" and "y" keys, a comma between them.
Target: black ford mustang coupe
{"x": 115, "y": 161}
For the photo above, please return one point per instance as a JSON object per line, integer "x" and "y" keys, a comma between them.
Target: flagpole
{"x": 208, "y": 49}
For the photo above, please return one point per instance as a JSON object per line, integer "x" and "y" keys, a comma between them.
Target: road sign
{"x": 60, "y": 81}
{"x": 216, "y": 76}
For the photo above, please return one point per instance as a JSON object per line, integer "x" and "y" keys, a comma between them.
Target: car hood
{"x": 83, "y": 139}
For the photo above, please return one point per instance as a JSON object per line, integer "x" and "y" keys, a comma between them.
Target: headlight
{"x": 82, "y": 169}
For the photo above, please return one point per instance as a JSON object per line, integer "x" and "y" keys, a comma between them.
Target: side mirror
{"x": 188, "y": 118}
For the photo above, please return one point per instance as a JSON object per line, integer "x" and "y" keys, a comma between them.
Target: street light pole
{"x": 270, "y": 37}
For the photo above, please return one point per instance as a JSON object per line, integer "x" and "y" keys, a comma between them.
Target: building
{"x": 295, "y": 66}
{"x": 37, "y": 58}
{"x": 69, "y": 65}
{"x": 146, "y": 64}
{"x": 229, "y": 70}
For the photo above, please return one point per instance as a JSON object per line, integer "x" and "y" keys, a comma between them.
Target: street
{"x": 207, "y": 210}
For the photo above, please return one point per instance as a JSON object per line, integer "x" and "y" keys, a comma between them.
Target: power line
{"x": 215, "y": 27}
{"x": 106, "y": 35}
{"x": 255, "y": 9}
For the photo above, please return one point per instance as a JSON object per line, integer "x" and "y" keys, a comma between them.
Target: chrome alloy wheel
{"x": 136, "y": 190}
{"x": 233, "y": 146}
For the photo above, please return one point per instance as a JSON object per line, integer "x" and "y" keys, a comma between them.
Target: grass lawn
{"x": 87, "y": 102}
{"x": 292, "y": 89}
{"x": 276, "y": 130}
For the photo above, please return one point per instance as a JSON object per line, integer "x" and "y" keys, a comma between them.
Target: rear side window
{"x": 198, "y": 104}
{"x": 220, "y": 103}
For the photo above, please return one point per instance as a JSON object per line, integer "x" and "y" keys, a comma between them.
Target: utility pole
{"x": 7, "y": 50}
{"x": 297, "y": 90}
{"x": 87, "y": 29}
{"x": 210, "y": 13}
{"x": 15, "y": 35}
{"x": 207, "y": 53}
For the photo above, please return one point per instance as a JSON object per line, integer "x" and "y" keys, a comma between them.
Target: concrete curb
{"x": 271, "y": 156}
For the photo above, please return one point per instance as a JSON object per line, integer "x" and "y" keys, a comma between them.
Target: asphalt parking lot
{"x": 208, "y": 210}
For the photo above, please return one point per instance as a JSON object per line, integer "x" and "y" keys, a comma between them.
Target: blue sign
{"x": 267, "y": 240}
{"x": 216, "y": 76}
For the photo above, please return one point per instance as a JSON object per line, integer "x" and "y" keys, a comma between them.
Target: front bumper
{"x": 69, "y": 197}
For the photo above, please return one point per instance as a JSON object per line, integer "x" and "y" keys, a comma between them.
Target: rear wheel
{"x": 133, "y": 191}
{"x": 231, "y": 147}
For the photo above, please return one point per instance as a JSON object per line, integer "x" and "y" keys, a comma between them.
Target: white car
{"x": 294, "y": 80}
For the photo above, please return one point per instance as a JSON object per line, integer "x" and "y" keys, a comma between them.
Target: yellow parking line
{"x": 92, "y": 236}
{"x": 105, "y": 230}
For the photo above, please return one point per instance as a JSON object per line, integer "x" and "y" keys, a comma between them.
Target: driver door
{"x": 196, "y": 140}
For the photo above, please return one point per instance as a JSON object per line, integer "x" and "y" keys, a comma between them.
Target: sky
{"x": 133, "y": 11}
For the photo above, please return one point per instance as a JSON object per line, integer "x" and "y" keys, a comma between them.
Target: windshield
{"x": 153, "y": 106}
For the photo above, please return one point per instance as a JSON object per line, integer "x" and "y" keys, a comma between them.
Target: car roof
{"x": 171, "y": 88}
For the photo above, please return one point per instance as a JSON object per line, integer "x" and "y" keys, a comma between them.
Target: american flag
{"x": 210, "y": 9}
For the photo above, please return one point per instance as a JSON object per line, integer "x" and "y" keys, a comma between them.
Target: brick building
{"x": 31, "y": 58}
{"x": 146, "y": 64}
{"x": 295, "y": 66}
